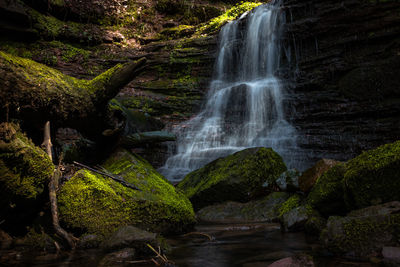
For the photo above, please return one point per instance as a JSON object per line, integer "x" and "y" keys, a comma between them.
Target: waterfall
{"x": 244, "y": 106}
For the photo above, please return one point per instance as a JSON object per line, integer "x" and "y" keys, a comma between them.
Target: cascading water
{"x": 244, "y": 105}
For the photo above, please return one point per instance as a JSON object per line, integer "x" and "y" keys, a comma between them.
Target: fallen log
{"x": 36, "y": 93}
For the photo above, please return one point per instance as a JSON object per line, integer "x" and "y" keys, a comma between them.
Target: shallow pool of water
{"x": 214, "y": 245}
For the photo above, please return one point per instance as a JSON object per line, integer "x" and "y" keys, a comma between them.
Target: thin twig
{"x": 112, "y": 176}
{"x": 198, "y": 233}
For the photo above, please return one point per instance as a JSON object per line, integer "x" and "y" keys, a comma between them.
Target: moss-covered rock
{"x": 263, "y": 210}
{"x": 25, "y": 171}
{"x": 373, "y": 177}
{"x": 291, "y": 203}
{"x": 296, "y": 215}
{"x": 311, "y": 175}
{"x": 238, "y": 177}
{"x": 99, "y": 205}
{"x": 364, "y": 232}
{"x": 327, "y": 195}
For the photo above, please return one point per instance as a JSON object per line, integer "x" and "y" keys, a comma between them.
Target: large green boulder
{"x": 373, "y": 177}
{"x": 237, "y": 177}
{"x": 25, "y": 171}
{"x": 327, "y": 195}
{"x": 99, "y": 205}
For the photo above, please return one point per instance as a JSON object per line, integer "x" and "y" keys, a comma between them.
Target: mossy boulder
{"x": 363, "y": 233}
{"x": 99, "y": 205}
{"x": 25, "y": 171}
{"x": 237, "y": 177}
{"x": 311, "y": 175}
{"x": 262, "y": 210}
{"x": 373, "y": 177}
{"x": 327, "y": 195}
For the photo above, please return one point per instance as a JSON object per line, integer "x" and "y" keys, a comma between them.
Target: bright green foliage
{"x": 100, "y": 205}
{"x": 327, "y": 195}
{"x": 238, "y": 177}
{"x": 373, "y": 177}
{"x": 216, "y": 23}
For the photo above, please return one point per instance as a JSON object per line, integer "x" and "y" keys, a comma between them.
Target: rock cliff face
{"x": 346, "y": 89}
{"x": 343, "y": 76}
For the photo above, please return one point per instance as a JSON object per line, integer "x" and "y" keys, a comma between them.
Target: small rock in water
{"x": 5, "y": 240}
{"x": 301, "y": 260}
{"x": 118, "y": 258}
{"x": 130, "y": 236}
{"x": 392, "y": 253}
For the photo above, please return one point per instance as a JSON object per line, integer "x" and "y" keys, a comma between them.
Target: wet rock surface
{"x": 345, "y": 95}
{"x": 264, "y": 210}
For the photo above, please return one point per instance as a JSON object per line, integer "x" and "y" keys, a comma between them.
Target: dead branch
{"x": 112, "y": 176}
{"x": 53, "y": 186}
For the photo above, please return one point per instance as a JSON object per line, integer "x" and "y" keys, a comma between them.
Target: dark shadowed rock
{"x": 364, "y": 232}
{"x": 263, "y": 210}
{"x": 5, "y": 240}
{"x": 130, "y": 237}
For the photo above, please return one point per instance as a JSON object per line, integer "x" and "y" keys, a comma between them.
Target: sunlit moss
{"x": 216, "y": 23}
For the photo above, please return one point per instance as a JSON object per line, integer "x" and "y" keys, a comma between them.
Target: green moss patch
{"x": 216, "y": 23}
{"x": 100, "y": 205}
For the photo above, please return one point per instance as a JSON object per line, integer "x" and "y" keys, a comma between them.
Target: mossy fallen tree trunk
{"x": 37, "y": 93}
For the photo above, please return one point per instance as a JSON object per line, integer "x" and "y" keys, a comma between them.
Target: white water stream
{"x": 244, "y": 106}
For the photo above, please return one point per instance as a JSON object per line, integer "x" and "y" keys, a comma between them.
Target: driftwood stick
{"x": 47, "y": 145}
{"x": 112, "y": 176}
